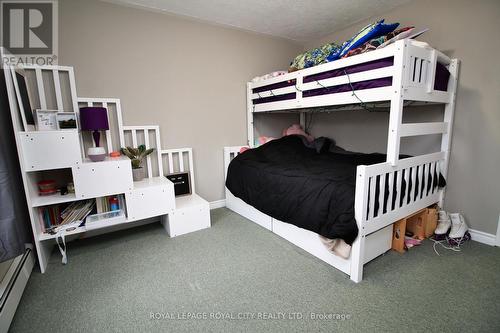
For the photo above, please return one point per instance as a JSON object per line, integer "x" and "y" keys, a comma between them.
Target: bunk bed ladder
{"x": 449, "y": 112}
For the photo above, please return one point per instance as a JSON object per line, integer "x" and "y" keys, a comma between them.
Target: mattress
{"x": 310, "y": 185}
{"x": 440, "y": 83}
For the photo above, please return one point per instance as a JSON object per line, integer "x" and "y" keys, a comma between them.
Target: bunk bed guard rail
{"x": 368, "y": 77}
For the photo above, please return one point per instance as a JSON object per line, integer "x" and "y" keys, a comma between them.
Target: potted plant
{"x": 136, "y": 156}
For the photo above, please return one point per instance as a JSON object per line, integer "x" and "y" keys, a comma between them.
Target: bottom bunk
{"x": 376, "y": 244}
{"x": 371, "y": 209}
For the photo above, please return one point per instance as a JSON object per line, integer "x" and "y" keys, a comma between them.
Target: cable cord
{"x": 363, "y": 104}
{"x": 455, "y": 248}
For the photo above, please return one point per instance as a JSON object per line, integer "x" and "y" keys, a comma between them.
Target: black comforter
{"x": 310, "y": 186}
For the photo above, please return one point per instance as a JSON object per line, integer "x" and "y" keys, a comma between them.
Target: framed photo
{"x": 66, "y": 120}
{"x": 46, "y": 120}
{"x": 23, "y": 99}
{"x": 181, "y": 183}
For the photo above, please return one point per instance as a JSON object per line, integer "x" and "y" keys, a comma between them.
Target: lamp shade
{"x": 94, "y": 119}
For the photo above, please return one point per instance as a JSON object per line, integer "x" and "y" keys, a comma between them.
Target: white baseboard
{"x": 218, "y": 204}
{"x": 483, "y": 237}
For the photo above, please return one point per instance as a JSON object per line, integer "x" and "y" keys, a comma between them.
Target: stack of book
{"x": 51, "y": 216}
{"x": 110, "y": 203}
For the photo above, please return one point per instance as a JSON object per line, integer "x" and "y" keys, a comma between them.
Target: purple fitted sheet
{"x": 440, "y": 82}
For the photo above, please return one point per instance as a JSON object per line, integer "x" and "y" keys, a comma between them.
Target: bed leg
{"x": 357, "y": 258}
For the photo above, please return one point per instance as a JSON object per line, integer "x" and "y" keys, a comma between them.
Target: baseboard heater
{"x": 12, "y": 287}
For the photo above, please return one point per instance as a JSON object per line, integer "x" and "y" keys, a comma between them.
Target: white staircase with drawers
{"x": 60, "y": 154}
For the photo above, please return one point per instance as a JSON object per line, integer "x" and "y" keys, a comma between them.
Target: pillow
{"x": 297, "y": 129}
{"x": 313, "y": 57}
{"x": 371, "y": 31}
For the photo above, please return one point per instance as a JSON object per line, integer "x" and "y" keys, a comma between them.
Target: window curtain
{"x": 15, "y": 231}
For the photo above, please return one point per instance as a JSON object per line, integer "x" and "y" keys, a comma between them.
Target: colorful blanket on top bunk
{"x": 310, "y": 185}
{"x": 376, "y": 35}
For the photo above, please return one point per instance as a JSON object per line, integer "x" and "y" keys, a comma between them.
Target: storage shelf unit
{"x": 60, "y": 156}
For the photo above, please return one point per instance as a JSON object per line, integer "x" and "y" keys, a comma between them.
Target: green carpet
{"x": 237, "y": 269}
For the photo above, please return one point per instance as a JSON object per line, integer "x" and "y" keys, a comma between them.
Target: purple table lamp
{"x": 94, "y": 119}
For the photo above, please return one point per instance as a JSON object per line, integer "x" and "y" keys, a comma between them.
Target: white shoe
{"x": 444, "y": 223}
{"x": 458, "y": 226}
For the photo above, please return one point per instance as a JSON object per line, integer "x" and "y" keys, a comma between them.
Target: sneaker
{"x": 458, "y": 226}
{"x": 444, "y": 223}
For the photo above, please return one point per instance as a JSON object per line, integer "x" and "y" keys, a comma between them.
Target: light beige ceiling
{"x": 299, "y": 20}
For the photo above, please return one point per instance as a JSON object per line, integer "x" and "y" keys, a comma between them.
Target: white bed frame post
{"x": 360, "y": 204}
{"x": 250, "y": 129}
{"x": 302, "y": 120}
{"x": 449, "y": 112}
{"x": 397, "y": 101}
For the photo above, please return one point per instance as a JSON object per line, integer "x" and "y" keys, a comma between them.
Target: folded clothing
{"x": 268, "y": 76}
{"x": 332, "y": 51}
{"x": 379, "y": 42}
{"x": 371, "y": 31}
{"x": 313, "y": 57}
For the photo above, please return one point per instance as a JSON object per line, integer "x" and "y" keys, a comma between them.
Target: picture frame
{"x": 46, "y": 120}
{"x": 23, "y": 99}
{"x": 182, "y": 183}
{"x": 66, "y": 120}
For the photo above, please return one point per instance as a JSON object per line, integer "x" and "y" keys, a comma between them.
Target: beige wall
{"x": 467, "y": 30}
{"x": 188, "y": 77}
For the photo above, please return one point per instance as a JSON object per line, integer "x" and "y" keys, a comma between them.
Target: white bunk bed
{"x": 413, "y": 79}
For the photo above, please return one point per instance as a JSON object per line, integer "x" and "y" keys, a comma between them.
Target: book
{"x": 52, "y": 216}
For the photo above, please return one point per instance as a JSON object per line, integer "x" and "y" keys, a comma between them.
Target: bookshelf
{"x": 59, "y": 156}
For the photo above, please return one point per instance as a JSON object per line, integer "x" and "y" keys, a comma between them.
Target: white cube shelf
{"x": 45, "y": 150}
{"x": 150, "y": 197}
{"x": 192, "y": 213}
{"x": 97, "y": 179}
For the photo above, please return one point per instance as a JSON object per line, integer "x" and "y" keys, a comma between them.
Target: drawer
{"x": 97, "y": 179}
{"x": 150, "y": 199}
{"x": 378, "y": 243}
{"x": 45, "y": 150}
{"x": 239, "y": 206}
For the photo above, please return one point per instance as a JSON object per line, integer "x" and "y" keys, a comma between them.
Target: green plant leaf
{"x": 147, "y": 152}
{"x": 136, "y": 151}
{"x": 137, "y": 154}
{"x": 136, "y": 163}
{"x": 127, "y": 152}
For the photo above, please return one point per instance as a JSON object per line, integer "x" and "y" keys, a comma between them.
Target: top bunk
{"x": 406, "y": 70}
